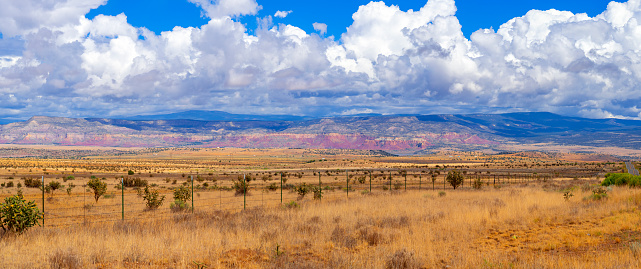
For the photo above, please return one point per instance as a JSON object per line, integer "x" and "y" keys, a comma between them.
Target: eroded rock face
{"x": 393, "y": 133}
{"x": 370, "y": 133}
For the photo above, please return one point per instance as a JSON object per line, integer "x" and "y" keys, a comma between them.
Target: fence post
{"x": 419, "y": 182}
{"x": 390, "y": 181}
{"x": 347, "y": 174}
{"x": 43, "y": 201}
{"x": 281, "y": 187}
{"x": 320, "y": 187}
{"x": 370, "y": 181}
{"x": 122, "y": 189}
{"x": 244, "y": 192}
{"x": 405, "y": 175}
{"x": 192, "y": 193}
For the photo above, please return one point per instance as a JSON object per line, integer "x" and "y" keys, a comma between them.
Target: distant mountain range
{"x": 395, "y": 133}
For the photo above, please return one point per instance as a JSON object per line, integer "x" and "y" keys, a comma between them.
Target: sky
{"x": 99, "y": 58}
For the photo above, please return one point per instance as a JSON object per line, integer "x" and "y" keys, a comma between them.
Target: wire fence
{"x": 79, "y": 205}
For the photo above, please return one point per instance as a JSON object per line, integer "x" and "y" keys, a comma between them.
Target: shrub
{"x": 291, "y": 205}
{"x": 302, "y": 190}
{"x": 135, "y": 182}
{"x": 597, "y": 194}
{"x": 152, "y": 198}
{"x": 65, "y": 259}
{"x": 620, "y": 179}
{"x": 98, "y": 187}
{"x": 455, "y": 178}
{"x": 9, "y": 184}
{"x": 130, "y": 172}
{"x": 477, "y": 184}
{"x": 17, "y": 215}
{"x": 178, "y": 206}
{"x": 54, "y": 185}
{"x": 318, "y": 192}
{"x": 241, "y": 186}
{"x": 182, "y": 194}
{"x": 32, "y": 182}
{"x": 403, "y": 259}
{"x": 441, "y": 193}
{"x": 272, "y": 187}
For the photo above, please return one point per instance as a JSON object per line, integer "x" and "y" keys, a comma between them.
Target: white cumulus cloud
{"x": 282, "y": 14}
{"x": 388, "y": 61}
{"x": 320, "y": 27}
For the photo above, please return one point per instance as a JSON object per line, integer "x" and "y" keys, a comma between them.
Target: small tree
{"x": 54, "y": 185}
{"x": 17, "y": 215}
{"x": 152, "y": 198}
{"x": 455, "y": 178}
{"x": 99, "y": 188}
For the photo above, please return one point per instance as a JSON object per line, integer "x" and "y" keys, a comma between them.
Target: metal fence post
{"x": 320, "y": 187}
{"x": 43, "y": 201}
{"x": 390, "y": 181}
{"x": 347, "y": 175}
{"x": 192, "y": 194}
{"x": 281, "y": 187}
{"x": 405, "y": 175}
{"x": 122, "y": 188}
{"x": 370, "y": 181}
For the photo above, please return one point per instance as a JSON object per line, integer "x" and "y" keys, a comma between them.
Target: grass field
{"x": 524, "y": 224}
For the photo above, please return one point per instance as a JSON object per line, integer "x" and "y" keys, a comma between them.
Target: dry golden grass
{"x": 522, "y": 226}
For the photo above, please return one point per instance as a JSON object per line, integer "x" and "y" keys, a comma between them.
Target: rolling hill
{"x": 394, "y": 133}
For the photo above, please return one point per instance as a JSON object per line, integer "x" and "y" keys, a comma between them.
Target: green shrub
{"x": 318, "y": 192}
{"x": 621, "y": 179}
{"x": 130, "y": 172}
{"x": 152, "y": 198}
{"x": 98, "y": 187}
{"x": 178, "y": 206}
{"x": 597, "y": 194}
{"x": 302, "y": 190}
{"x": 455, "y": 178}
{"x": 70, "y": 187}
{"x": 182, "y": 194}
{"x": 17, "y": 215}
{"x": 291, "y": 205}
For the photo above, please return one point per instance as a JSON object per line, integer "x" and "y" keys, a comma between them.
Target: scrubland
{"x": 518, "y": 226}
{"x": 521, "y": 220}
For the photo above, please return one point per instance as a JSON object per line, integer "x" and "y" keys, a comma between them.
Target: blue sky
{"x": 99, "y": 58}
{"x": 163, "y": 15}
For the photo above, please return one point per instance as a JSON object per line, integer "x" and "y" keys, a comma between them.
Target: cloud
{"x": 320, "y": 27}
{"x": 27, "y": 16}
{"x": 387, "y": 61}
{"x": 282, "y": 14}
{"x": 222, "y": 8}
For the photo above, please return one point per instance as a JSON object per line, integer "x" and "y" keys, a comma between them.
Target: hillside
{"x": 401, "y": 133}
